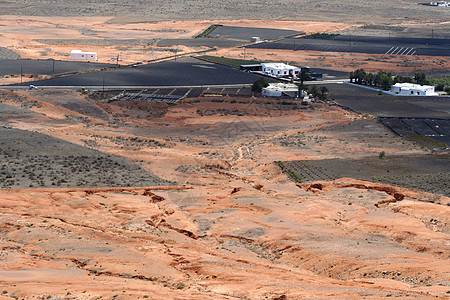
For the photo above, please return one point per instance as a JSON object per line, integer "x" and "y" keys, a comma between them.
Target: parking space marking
{"x": 398, "y": 51}
{"x": 393, "y": 51}
{"x": 401, "y": 51}
{"x": 387, "y": 52}
{"x": 411, "y": 52}
{"x": 404, "y": 51}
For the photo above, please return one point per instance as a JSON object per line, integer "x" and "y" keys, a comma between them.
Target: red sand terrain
{"x": 234, "y": 226}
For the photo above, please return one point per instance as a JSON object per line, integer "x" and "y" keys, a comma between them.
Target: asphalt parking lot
{"x": 199, "y": 42}
{"x": 45, "y": 67}
{"x": 364, "y": 44}
{"x": 246, "y": 33}
{"x": 182, "y": 72}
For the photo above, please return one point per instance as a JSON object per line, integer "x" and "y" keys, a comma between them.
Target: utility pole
{"x": 244, "y": 51}
{"x": 53, "y": 69}
{"x": 117, "y": 61}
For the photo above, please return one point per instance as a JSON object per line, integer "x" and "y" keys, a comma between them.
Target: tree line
{"x": 385, "y": 79}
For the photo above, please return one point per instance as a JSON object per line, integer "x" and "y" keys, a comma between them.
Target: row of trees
{"x": 385, "y": 79}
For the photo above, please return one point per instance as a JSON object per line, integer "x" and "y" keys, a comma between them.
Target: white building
{"x": 80, "y": 55}
{"x": 278, "y": 89}
{"x": 410, "y": 89}
{"x": 440, "y": 3}
{"x": 279, "y": 69}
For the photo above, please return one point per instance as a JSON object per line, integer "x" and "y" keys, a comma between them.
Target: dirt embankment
{"x": 233, "y": 225}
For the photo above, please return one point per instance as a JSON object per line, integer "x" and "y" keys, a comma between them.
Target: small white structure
{"x": 440, "y": 3}
{"x": 278, "y": 89}
{"x": 410, "y": 89}
{"x": 80, "y": 55}
{"x": 255, "y": 39}
{"x": 280, "y": 70}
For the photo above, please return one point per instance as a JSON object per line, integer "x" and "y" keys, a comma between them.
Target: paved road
{"x": 246, "y": 33}
{"x": 141, "y": 87}
{"x": 364, "y": 44}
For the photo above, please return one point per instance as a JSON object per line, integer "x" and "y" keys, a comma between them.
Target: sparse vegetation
{"x": 207, "y": 31}
{"x": 426, "y": 142}
{"x": 322, "y": 36}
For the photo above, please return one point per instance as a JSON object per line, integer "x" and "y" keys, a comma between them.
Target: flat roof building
{"x": 80, "y": 55}
{"x": 280, "y": 70}
{"x": 280, "y": 89}
{"x": 410, "y": 89}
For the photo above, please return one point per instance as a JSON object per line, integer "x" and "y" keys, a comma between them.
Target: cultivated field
{"x": 427, "y": 173}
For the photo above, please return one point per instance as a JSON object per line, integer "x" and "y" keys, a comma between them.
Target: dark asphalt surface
{"x": 429, "y": 116}
{"x": 182, "y": 72}
{"x": 438, "y": 129}
{"x": 330, "y": 73}
{"x": 368, "y": 101}
{"x": 44, "y": 67}
{"x": 207, "y": 42}
{"x": 364, "y": 44}
{"x": 246, "y": 33}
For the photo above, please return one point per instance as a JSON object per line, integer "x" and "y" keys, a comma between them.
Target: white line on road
{"x": 410, "y": 51}
{"x": 389, "y": 50}
{"x": 399, "y": 51}
{"x": 403, "y": 51}
{"x": 395, "y": 50}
